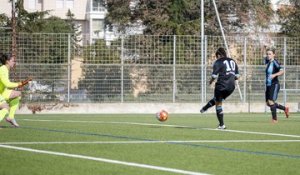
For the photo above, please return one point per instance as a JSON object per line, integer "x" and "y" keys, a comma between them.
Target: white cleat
{"x": 12, "y": 122}
{"x": 221, "y": 127}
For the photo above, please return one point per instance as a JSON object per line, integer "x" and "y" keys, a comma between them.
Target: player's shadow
{"x": 250, "y": 121}
{"x": 3, "y": 127}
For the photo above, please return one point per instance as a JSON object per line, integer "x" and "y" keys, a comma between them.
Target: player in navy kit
{"x": 273, "y": 70}
{"x": 226, "y": 71}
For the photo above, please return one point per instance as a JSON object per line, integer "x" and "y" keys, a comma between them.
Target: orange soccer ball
{"x": 162, "y": 115}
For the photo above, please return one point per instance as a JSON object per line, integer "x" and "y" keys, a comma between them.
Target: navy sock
{"x": 210, "y": 104}
{"x": 279, "y": 106}
{"x": 220, "y": 115}
{"x": 273, "y": 110}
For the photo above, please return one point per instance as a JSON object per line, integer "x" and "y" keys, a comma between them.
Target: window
{"x": 59, "y": 4}
{"x": 98, "y": 5}
{"x": 97, "y": 26}
{"x": 32, "y": 4}
{"x": 70, "y": 4}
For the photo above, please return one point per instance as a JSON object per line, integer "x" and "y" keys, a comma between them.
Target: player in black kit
{"x": 226, "y": 71}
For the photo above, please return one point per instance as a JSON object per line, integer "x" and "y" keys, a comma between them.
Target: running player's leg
{"x": 272, "y": 106}
{"x": 272, "y": 96}
{"x": 284, "y": 108}
{"x": 279, "y": 106}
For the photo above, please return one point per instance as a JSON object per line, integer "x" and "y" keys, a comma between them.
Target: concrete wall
{"x": 145, "y": 108}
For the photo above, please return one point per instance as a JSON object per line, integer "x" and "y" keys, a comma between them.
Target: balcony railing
{"x": 98, "y": 9}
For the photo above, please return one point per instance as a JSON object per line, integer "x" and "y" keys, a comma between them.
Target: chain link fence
{"x": 145, "y": 69}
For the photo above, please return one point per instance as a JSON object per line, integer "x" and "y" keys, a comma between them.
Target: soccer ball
{"x": 162, "y": 115}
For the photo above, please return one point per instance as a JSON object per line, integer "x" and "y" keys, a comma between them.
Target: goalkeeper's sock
{"x": 13, "y": 104}
{"x": 220, "y": 115}
{"x": 3, "y": 113}
{"x": 273, "y": 111}
{"x": 279, "y": 106}
{"x": 210, "y": 104}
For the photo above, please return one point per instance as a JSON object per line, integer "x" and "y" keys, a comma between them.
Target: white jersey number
{"x": 230, "y": 65}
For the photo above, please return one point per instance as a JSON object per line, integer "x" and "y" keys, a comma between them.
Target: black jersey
{"x": 227, "y": 71}
{"x": 272, "y": 68}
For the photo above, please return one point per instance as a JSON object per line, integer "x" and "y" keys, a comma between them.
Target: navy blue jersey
{"x": 272, "y": 68}
{"x": 227, "y": 71}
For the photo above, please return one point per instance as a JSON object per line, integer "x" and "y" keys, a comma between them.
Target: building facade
{"x": 89, "y": 14}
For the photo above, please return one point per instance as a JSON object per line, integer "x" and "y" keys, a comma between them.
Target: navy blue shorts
{"x": 221, "y": 95}
{"x": 272, "y": 92}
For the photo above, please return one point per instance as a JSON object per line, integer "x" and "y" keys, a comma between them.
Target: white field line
{"x": 173, "y": 126}
{"x": 132, "y": 164}
{"x": 150, "y": 142}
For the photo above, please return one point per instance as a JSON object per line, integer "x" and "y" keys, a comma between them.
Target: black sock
{"x": 210, "y": 104}
{"x": 220, "y": 115}
{"x": 279, "y": 106}
{"x": 273, "y": 110}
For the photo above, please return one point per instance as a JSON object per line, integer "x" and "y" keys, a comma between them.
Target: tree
{"x": 120, "y": 13}
{"x": 98, "y": 59}
{"x": 182, "y": 17}
{"x": 290, "y": 18}
{"x": 237, "y": 15}
{"x": 3, "y": 22}
{"x": 52, "y": 55}
{"x": 75, "y": 30}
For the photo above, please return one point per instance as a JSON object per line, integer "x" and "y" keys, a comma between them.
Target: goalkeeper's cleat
{"x": 287, "y": 112}
{"x": 221, "y": 127}
{"x": 274, "y": 121}
{"x": 12, "y": 122}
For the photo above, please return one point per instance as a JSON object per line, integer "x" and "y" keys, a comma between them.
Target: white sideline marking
{"x": 259, "y": 133}
{"x": 104, "y": 160}
{"x": 166, "y": 125}
{"x": 151, "y": 142}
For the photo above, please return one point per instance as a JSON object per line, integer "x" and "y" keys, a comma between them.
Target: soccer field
{"x": 139, "y": 144}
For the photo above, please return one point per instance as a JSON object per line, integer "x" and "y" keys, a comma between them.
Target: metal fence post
{"x": 245, "y": 68}
{"x": 122, "y": 69}
{"x": 202, "y": 49}
{"x": 202, "y": 70}
{"x": 284, "y": 69}
{"x": 205, "y": 68}
{"x": 69, "y": 67}
{"x": 174, "y": 68}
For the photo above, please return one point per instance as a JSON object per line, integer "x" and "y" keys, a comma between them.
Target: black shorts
{"x": 272, "y": 92}
{"x": 222, "y": 94}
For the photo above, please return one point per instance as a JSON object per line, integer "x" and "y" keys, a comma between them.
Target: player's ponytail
{"x": 221, "y": 52}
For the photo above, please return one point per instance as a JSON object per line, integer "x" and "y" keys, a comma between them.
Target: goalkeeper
{"x": 9, "y": 98}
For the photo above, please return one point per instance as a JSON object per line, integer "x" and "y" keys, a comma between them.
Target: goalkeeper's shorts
{"x": 6, "y": 94}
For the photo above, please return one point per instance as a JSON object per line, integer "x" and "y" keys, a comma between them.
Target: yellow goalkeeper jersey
{"x": 4, "y": 79}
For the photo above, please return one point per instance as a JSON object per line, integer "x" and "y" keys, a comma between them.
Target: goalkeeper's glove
{"x": 25, "y": 82}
